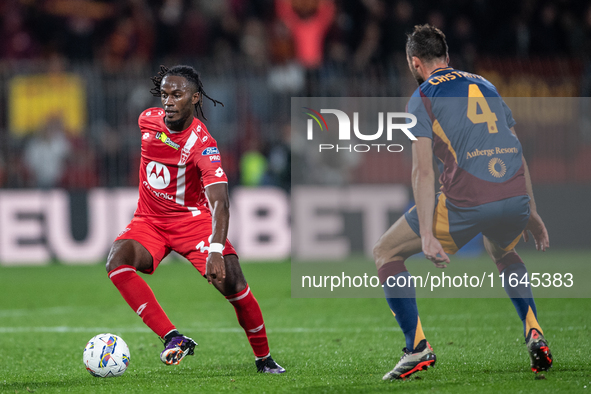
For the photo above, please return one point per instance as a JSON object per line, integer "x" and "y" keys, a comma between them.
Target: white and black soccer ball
{"x": 106, "y": 355}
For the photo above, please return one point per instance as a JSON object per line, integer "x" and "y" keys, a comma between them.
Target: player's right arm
{"x": 535, "y": 225}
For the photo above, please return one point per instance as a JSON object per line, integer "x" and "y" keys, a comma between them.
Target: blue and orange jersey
{"x": 479, "y": 157}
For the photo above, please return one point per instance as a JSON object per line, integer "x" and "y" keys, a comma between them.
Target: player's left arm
{"x": 423, "y": 179}
{"x": 219, "y": 202}
{"x": 535, "y": 225}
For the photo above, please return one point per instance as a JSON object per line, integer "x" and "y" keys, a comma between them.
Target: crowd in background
{"x": 120, "y": 34}
{"x": 294, "y": 44}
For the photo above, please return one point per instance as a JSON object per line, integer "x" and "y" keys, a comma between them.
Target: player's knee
{"x": 114, "y": 260}
{"x": 123, "y": 253}
{"x": 235, "y": 281}
{"x": 378, "y": 254}
{"x": 236, "y": 287}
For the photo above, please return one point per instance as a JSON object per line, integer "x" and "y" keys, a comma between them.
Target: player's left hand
{"x": 536, "y": 227}
{"x": 215, "y": 268}
{"x": 434, "y": 251}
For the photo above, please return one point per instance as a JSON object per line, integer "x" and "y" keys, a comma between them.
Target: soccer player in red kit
{"x": 183, "y": 206}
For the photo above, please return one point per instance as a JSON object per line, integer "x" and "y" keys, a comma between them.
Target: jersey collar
{"x": 440, "y": 69}
{"x": 180, "y": 132}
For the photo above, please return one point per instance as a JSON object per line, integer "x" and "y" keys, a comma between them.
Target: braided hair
{"x": 190, "y": 75}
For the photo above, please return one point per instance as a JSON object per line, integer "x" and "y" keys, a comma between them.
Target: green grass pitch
{"x": 47, "y": 314}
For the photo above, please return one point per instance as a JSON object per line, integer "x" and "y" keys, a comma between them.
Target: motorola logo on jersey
{"x": 158, "y": 175}
{"x": 345, "y": 130}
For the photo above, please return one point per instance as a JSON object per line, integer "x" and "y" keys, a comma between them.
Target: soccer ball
{"x": 106, "y": 355}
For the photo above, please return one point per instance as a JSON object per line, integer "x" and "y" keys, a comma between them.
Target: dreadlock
{"x": 190, "y": 75}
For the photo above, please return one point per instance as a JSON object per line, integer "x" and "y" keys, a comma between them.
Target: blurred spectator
{"x": 131, "y": 43}
{"x": 73, "y": 27}
{"x": 46, "y": 153}
{"x": 437, "y": 19}
{"x": 118, "y": 46}
{"x": 81, "y": 170}
{"x": 279, "y": 164}
{"x": 575, "y": 34}
{"x": 546, "y": 32}
{"x": 113, "y": 157}
{"x": 396, "y": 25}
{"x": 197, "y": 26}
{"x": 522, "y": 37}
{"x": 586, "y": 49}
{"x": 169, "y": 23}
{"x": 285, "y": 74}
{"x": 369, "y": 49}
{"x": 253, "y": 42}
{"x": 462, "y": 43}
{"x": 253, "y": 165}
{"x": 17, "y": 42}
{"x": 3, "y": 172}
{"x": 308, "y": 21}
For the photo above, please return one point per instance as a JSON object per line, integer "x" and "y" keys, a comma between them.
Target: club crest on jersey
{"x": 187, "y": 148}
{"x": 211, "y": 151}
{"x": 166, "y": 139}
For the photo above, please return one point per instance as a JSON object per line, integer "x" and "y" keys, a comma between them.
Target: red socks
{"x": 251, "y": 319}
{"x": 141, "y": 299}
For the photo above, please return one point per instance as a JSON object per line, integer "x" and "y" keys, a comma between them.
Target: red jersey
{"x": 176, "y": 167}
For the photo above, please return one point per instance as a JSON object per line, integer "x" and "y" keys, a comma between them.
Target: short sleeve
{"x": 150, "y": 118}
{"x": 416, "y": 106}
{"x": 508, "y": 115}
{"x": 209, "y": 161}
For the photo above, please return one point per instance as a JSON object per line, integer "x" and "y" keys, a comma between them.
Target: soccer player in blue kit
{"x": 486, "y": 188}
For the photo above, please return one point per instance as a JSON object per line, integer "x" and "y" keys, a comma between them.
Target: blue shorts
{"x": 500, "y": 221}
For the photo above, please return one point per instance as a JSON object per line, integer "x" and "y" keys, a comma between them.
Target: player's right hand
{"x": 434, "y": 251}
{"x": 536, "y": 227}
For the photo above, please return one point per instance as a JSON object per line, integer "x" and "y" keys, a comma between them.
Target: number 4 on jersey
{"x": 475, "y": 99}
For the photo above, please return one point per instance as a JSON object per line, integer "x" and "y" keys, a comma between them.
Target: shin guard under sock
{"x": 399, "y": 289}
{"x": 250, "y": 319}
{"x": 141, "y": 299}
{"x": 521, "y": 295}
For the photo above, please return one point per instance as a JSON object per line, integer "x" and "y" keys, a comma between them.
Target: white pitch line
{"x": 58, "y": 310}
{"x": 67, "y": 329}
{"x": 289, "y": 330}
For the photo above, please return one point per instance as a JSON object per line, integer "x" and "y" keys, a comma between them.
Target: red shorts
{"x": 189, "y": 237}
